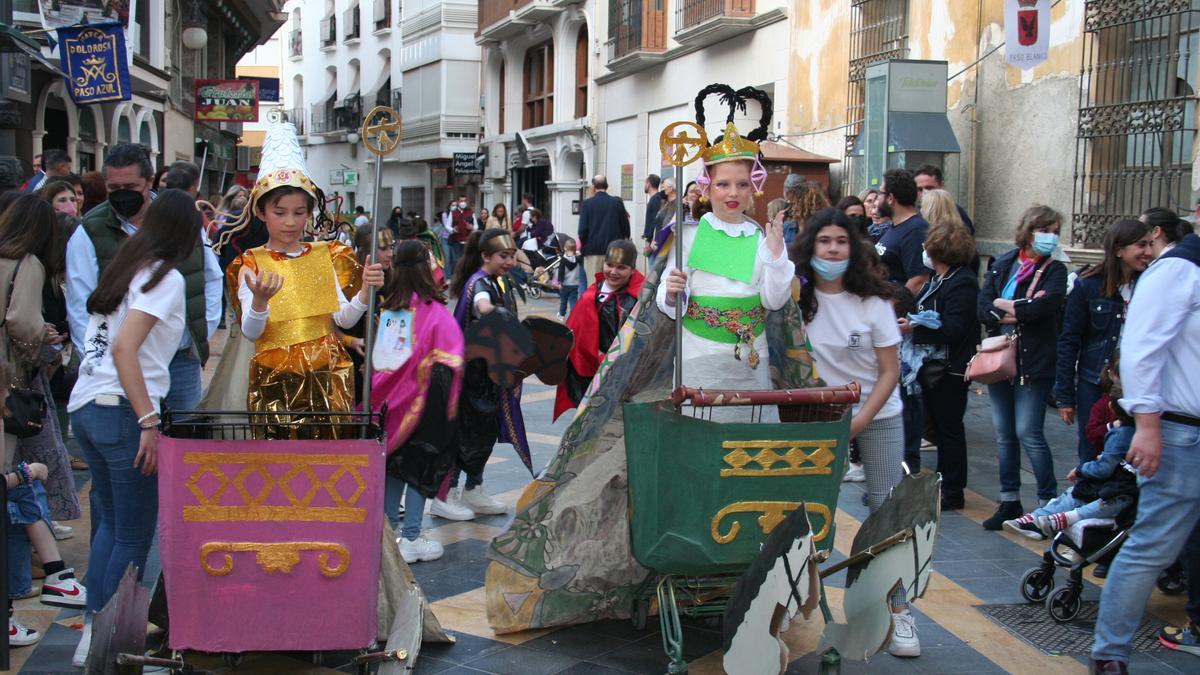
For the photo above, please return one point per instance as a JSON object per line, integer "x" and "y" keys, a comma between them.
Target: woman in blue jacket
{"x": 1023, "y": 293}
{"x": 1092, "y": 323}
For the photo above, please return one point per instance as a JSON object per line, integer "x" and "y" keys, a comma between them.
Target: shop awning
{"x": 13, "y": 40}
{"x": 920, "y": 131}
{"x": 914, "y": 132}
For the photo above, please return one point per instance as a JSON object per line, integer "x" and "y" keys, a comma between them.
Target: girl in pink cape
{"x": 418, "y": 357}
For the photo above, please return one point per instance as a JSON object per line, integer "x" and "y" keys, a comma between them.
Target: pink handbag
{"x": 995, "y": 361}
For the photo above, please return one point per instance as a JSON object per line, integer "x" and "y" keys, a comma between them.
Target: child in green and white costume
{"x": 735, "y": 271}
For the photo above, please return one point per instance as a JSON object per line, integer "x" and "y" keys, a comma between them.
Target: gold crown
{"x": 732, "y": 147}
{"x": 283, "y": 177}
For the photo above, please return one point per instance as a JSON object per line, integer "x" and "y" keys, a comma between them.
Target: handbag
{"x": 931, "y": 372}
{"x": 996, "y": 357}
{"x": 25, "y": 408}
{"x": 995, "y": 361}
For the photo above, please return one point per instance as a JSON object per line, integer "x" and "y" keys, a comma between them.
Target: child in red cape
{"x": 597, "y": 319}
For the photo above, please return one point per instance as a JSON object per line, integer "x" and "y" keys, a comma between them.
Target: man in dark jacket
{"x": 94, "y": 244}
{"x": 602, "y": 220}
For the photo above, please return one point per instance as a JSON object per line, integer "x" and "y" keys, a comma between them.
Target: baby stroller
{"x": 538, "y": 267}
{"x": 1087, "y": 542}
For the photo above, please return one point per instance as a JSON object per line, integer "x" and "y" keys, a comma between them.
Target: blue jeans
{"x": 1086, "y": 395}
{"x": 1168, "y": 511}
{"x": 124, "y": 502}
{"x": 568, "y": 295}
{"x": 454, "y": 251}
{"x": 414, "y": 513}
{"x": 26, "y": 505}
{"x": 185, "y": 389}
{"x": 1097, "y": 508}
{"x": 1019, "y": 415}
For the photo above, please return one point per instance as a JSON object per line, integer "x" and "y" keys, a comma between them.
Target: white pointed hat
{"x": 282, "y": 163}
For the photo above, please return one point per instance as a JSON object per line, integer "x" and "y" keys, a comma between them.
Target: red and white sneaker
{"x": 62, "y": 590}
{"x": 20, "y": 636}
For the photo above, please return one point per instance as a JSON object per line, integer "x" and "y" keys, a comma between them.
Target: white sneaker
{"x": 478, "y": 501}
{"x": 854, "y": 473}
{"x": 61, "y": 531}
{"x": 62, "y": 589}
{"x": 904, "y": 636}
{"x": 420, "y": 549}
{"x": 85, "y": 645}
{"x": 450, "y": 508}
{"x": 20, "y": 635}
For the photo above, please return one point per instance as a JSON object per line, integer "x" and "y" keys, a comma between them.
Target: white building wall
{"x": 634, "y": 109}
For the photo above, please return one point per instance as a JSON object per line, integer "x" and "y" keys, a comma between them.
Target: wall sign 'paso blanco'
{"x": 1027, "y": 32}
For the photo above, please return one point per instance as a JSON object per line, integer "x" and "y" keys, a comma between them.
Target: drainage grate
{"x": 1032, "y": 623}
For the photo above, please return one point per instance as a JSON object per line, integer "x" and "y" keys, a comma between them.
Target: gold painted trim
{"x": 275, "y": 557}
{"x": 819, "y": 460}
{"x": 773, "y": 514}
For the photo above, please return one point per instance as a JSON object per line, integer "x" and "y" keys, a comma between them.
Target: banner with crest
{"x": 96, "y": 63}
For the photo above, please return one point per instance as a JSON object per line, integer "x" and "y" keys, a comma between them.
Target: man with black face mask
{"x": 128, "y": 173}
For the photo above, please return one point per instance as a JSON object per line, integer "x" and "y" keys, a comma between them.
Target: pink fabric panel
{"x": 270, "y": 545}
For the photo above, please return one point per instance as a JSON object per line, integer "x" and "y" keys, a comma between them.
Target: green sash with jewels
{"x": 716, "y": 252}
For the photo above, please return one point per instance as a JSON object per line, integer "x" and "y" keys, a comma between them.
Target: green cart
{"x": 704, "y": 494}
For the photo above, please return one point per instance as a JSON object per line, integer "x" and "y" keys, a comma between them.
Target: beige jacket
{"x": 496, "y": 223}
{"x": 24, "y": 328}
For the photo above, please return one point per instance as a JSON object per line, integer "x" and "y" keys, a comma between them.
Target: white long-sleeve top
{"x": 254, "y": 323}
{"x": 1160, "y": 350}
{"x": 709, "y": 364}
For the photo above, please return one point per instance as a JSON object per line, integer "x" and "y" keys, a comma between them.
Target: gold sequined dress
{"x": 298, "y": 364}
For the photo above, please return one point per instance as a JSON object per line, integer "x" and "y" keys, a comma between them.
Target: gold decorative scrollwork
{"x": 275, "y": 557}
{"x": 773, "y": 514}
{"x": 253, "y": 507}
{"x": 380, "y": 130}
{"x": 798, "y": 461}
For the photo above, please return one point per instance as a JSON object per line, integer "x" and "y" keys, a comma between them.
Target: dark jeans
{"x": 914, "y": 425}
{"x": 1019, "y": 417}
{"x": 1190, "y": 559}
{"x": 945, "y": 406}
{"x": 1086, "y": 395}
{"x": 567, "y": 296}
{"x": 454, "y": 251}
{"x": 124, "y": 502}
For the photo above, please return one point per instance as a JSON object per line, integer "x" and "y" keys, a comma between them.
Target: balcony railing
{"x": 329, "y": 31}
{"x": 296, "y": 117}
{"x": 636, "y": 26}
{"x": 323, "y": 119}
{"x": 689, "y": 13}
{"x": 491, "y": 11}
{"x": 353, "y": 20}
{"x": 295, "y": 43}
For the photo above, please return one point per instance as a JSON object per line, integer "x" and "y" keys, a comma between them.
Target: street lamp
{"x": 194, "y": 22}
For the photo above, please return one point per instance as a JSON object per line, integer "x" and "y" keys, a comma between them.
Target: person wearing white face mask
{"x": 1023, "y": 294}
{"x": 855, "y": 338}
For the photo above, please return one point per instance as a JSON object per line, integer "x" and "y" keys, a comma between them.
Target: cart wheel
{"x": 535, "y": 291}
{"x": 232, "y": 661}
{"x": 1037, "y": 584}
{"x": 641, "y": 610}
{"x": 1063, "y": 604}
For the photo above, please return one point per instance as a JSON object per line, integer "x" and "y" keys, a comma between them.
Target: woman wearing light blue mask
{"x": 844, "y": 300}
{"x": 1023, "y": 294}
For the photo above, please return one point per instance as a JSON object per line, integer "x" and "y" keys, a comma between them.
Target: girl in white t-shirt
{"x": 845, "y": 304}
{"x": 137, "y": 318}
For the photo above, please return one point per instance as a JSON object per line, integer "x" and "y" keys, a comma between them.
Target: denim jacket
{"x": 1091, "y": 331}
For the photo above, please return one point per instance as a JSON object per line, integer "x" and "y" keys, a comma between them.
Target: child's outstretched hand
{"x": 676, "y": 282}
{"x": 372, "y": 278}
{"x": 774, "y": 235}
{"x": 264, "y": 286}
{"x": 1073, "y": 475}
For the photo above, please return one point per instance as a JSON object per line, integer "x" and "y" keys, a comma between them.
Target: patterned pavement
{"x": 972, "y": 568}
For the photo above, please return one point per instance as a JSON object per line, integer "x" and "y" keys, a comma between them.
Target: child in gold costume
{"x": 289, "y": 294}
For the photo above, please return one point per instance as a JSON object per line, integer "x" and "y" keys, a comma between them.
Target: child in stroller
{"x": 1088, "y": 522}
